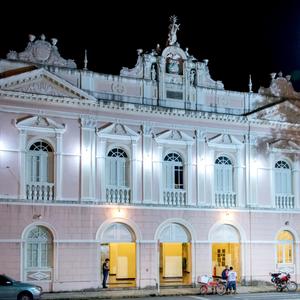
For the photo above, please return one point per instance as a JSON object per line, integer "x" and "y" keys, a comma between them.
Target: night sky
{"x": 238, "y": 37}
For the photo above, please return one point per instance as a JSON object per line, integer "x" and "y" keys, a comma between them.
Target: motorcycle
{"x": 282, "y": 281}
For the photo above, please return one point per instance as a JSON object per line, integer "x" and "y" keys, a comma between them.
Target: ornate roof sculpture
{"x": 280, "y": 87}
{"x": 173, "y": 66}
{"x": 40, "y": 51}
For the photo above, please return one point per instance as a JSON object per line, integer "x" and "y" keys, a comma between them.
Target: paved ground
{"x": 135, "y": 293}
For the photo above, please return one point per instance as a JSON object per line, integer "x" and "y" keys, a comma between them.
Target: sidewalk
{"x": 135, "y": 293}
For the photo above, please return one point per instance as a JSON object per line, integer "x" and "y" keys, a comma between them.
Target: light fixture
{"x": 37, "y": 217}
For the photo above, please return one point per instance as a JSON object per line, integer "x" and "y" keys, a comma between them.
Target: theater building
{"x": 160, "y": 169}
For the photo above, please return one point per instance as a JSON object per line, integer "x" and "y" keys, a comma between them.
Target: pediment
{"x": 224, "y": 141}
{"x": 174, "y": 137}
{"x": 118, "y": 131}
{"x": 285, "y": 112}
{"x": 40, "y": 124}
{"x": 42, "y": 82}
{"x": 284, "y": 145}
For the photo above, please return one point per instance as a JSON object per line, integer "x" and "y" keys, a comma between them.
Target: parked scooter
{"x": 282, "y": 281}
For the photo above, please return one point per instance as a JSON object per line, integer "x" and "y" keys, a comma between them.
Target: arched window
{"x": 39, "y": 249}
{"x": 223, "y": 175}
{"x": 283, "y": 178}
{"x": 173, "y": 171}
{"x": 117, "y": 168}
{"x": 285, "y": 247}
{"x": 40, "y": 164}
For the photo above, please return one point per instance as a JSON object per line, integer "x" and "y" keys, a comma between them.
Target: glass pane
{"x": 33, "y": 255}
{"x": 44, "y": 255}
{"x": 285, "y": 236}
{"x": 288, "y": 254}
{"x": 50, "y": 255}
{"x": 279, "y": 254}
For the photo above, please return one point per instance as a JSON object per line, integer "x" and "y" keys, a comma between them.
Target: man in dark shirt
{"x": 105, "y": 270}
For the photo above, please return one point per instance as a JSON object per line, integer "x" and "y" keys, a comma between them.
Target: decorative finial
{"x": 139, "y": 51}
{"x": 205, "y": 61}
{"x": 280, "y": 74}
{"x": 173, "y": 27}
{"x": 250, "y": 84}
{"x": 273, "y": 75}
{"x": 43, "y": 37}
{"x": 31, "y": 37}
{"x": 288, "y": 77}
{"x": 85, "y": 62}
{"x": 187, "y": 51}
{"x": 54, "y": 41}
{"x": 158, "y": 50}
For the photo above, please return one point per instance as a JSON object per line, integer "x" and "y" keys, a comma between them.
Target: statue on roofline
{"x": 173, "y": 27}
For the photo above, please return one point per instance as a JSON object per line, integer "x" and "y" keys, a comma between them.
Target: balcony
{"x": 41, "y": 192}
{"x": 284, "y": 201}
{"x": 176, "y": 197}
{"x": 225, "y": 200}
{"x": 116, "y": 194}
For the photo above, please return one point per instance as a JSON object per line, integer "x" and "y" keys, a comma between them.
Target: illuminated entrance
{"x": 120, "y": 247}
{"x": 226, "y": 250}
{"x": 175, "y": 256}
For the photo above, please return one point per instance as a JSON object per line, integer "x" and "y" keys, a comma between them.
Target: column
{"x": 200, "y": 167}
{"x": 189, "y": 177}
{"x": 88, "y": 156}
{"x": 147, "y": 162}
{"x": 158, "y": 170}
{"x": 58, "y": 170}
{"x": 239, "y": 179}
{"x": 22, "y": 157}
{"x": 101, "y": 178}
{"x": 134, "y": 183}
{"x": 295, "y": 185}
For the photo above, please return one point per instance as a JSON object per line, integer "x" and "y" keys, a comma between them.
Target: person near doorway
{"x": 224, "y": 276}
{"x": 105, "y": 270}
{"x": 232, "y": 280}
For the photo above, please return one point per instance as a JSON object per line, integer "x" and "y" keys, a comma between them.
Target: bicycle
{"x": 217, "y": 286}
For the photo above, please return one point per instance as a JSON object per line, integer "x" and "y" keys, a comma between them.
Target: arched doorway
{"x": 118, "y": 245}
{"x": 285, "y": 260}
{"x": 175, "y": 259}
{"x": 226, "y": 249}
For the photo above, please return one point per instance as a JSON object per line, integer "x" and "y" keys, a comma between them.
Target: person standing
{"x": 232, "y": 280}
{"x": 105, "y": 270}
{"x": 224, "y": 276}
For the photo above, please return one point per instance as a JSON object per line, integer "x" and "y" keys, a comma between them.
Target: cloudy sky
{"x": 238, "y": 37}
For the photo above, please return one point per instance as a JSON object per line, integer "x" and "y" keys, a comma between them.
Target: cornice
{"x": 273, "y": 124}
{"x": 110, "y": 106}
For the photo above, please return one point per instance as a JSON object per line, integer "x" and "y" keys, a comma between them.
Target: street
{"x": 251, "y": 296}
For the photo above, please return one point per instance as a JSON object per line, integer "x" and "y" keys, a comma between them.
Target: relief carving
{"x": 118, "y": 88}
{"x": 42, "y": 52}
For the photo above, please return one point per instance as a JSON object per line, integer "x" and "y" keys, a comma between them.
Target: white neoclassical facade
{"x": 160, "y": 169}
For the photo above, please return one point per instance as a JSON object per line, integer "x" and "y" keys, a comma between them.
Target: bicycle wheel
{"x": 292, "y": 286}
{"x": 203, "y": 289}
{"x": 221, "y": 289}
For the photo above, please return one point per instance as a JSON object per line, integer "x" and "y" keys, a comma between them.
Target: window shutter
{"x": 289, "y": 182}
{"x": 277, "y": 181}
{"x": 113, "y": 172}
{"x": 43, "y": 167}
{"x": 121, "y": 172}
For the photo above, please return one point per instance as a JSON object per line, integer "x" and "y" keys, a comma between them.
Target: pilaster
{"x": 88, "y": 156}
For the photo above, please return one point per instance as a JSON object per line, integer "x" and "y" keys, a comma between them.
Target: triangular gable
{"x": 174, "y": 137}
{"x": 118, "y": 131}
{"x": 287, "y": 112}
{"x": 40, "y": 124}
{"x": 225, "y": 141}
{"x": 284, "y": 145}
{"x": 42, "y": 82}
